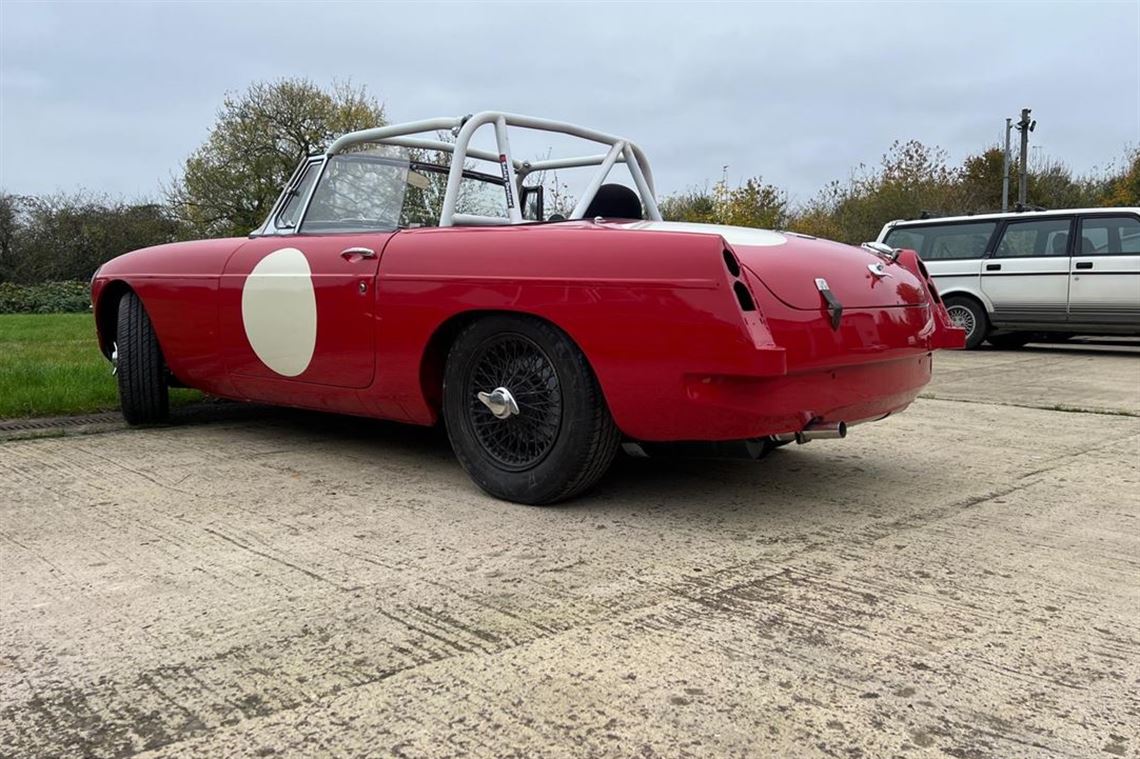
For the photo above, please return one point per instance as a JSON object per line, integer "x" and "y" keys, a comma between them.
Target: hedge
{"x": 45, "y": 298}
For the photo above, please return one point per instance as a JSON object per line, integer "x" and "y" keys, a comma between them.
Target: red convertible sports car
{"x": 394, "y": 279}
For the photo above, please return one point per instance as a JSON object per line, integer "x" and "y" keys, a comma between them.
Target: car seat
{"x": 615, "y": 201}
{"x": 1059, "y": 245}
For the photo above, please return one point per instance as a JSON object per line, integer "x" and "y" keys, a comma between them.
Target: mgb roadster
{"x": 395, "y": 279}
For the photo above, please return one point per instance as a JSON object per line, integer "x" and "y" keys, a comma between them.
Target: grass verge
{"x": 50, "y": 365}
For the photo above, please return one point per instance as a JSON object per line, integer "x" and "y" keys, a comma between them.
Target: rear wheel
{"x": 969, "y": 315}
{"x": 139, "y": 366}
{"x": 524, "y": 413}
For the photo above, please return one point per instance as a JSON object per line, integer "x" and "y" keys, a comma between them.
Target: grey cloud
{"x": 113, "y": 97}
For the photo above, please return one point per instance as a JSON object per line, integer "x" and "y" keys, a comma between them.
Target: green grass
{"x": 50, "y": 365}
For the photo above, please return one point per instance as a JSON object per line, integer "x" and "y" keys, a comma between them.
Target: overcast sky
{"x": 113, "y": 97}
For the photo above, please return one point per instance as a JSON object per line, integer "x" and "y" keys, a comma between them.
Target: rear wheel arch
{"x": 973, "y": 295}
{"x": 434, "y": 358}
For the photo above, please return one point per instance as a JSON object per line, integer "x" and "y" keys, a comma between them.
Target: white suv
{"x": 1006, "y": 276}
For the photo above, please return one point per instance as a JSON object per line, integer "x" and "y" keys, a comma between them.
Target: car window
{"x": 358, "y": 192}
{"x": 1110, "y": 235}
{"x": 945, "y": 241}
{"x": 1033, "y": 238}
{"x": 380, "y": 190}
{"x": 291, "y": 211}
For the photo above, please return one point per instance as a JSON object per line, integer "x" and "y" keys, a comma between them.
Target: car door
{"x": 1026, "y": 276}
{"x": 297, "y": 310}
{"x": 1104, "y": 287}
{"x": 301, "y": 308}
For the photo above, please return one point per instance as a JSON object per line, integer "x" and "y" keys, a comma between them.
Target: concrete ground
{"x": 961, "y": 580}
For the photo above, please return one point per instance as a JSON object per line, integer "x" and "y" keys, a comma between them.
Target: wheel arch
{"x": 434, "y": 356}
{"x": 974, "y": 295}
{"x": 107, "y": 313}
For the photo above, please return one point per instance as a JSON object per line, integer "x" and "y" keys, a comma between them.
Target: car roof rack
{"x": 411, "y": 135}
{"x": 926, "y": 215}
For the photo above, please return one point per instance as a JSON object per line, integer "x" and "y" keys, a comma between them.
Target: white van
{"x": 1006, "y": 276}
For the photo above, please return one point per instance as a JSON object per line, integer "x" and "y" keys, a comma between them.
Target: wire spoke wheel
{"x": 524, "y": 412}
{"x": 515, "y": 367}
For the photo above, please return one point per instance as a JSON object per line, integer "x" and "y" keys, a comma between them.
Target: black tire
{"x": 562, "y": 438}
{"x": 968, "y": 313}
{"x": 143, "y": 393}
{"x": 1010, "y": 340}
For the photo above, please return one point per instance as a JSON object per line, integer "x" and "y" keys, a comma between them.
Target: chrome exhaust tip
{"x": 821, "y": 431}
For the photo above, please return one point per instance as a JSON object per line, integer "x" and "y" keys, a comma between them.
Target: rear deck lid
{"x": 857, "y": 277}
{"x": 789, "y": 264}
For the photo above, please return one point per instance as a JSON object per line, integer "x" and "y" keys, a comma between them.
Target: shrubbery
{"x": 910, "y": 179}
{"x": 56, "y": 238}
{"x": 46, "y": 298}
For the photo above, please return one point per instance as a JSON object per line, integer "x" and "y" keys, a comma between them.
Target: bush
{"x": 52, "y": 238}
{"x": 45, "y": 298}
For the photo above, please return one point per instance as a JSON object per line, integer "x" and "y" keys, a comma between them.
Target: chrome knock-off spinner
{"x": 499, "y": 402}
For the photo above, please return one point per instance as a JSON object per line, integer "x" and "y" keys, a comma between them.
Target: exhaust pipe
{"x": 820, "y": 431}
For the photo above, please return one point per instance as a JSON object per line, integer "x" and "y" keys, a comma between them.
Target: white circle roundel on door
{"x": 279, "y": 311}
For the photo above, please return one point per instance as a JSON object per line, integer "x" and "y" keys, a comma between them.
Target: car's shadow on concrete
{"x": 664, "y": 482}
{"x": 1095, "y": 346}
{"x": 710, "y": 483}
{"x": 324, "y": 425}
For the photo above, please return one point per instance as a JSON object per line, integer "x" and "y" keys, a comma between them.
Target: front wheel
{"x": 139, "y": 367}
{"x": 524, "y": 412}
{"x": 969, "y": 315}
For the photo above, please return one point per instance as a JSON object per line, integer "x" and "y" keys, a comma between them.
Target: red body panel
{"x": 653, "y": 311}
{"x": 345, "y": 351}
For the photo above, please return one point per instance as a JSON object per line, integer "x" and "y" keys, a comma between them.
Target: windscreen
{"x": 384, "y": 188}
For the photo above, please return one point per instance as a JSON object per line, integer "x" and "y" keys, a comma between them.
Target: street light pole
{"x": 1025, "y": 126}
{"x": 1005, "y": 169}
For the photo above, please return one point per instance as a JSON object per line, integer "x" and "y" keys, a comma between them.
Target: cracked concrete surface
{"x": 961, "y": 580}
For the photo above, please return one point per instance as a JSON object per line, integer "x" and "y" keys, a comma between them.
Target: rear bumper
{"x": 735, "y": 408}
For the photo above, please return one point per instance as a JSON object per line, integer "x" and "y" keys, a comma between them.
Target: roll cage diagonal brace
{"x": 514, "y": 172}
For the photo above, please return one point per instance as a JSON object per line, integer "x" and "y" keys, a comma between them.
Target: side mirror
{"x": 531, "y": 199}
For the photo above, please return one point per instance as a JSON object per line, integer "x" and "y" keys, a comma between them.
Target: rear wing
{"x": 422, "y": 135}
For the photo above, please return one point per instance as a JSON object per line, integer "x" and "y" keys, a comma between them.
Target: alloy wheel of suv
{"x": 968, "y": 315}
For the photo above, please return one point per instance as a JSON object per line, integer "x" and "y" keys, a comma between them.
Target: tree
{"x": 751, "y": 204}
{"x": 9, "y": 226}
{"x": 980, "y": 182}
{"x": 1123, "y": 189}
{"x": 910, "y": 179}
{"x": 229, "y": 183}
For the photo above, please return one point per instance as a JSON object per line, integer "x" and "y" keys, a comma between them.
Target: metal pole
{"x": 1005, "y": 169}
{"x": 1024, "y": 126}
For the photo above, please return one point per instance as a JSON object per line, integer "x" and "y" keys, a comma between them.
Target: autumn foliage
{"x": 911, "y": 179}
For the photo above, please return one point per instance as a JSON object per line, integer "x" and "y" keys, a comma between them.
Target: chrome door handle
{"x": 348, "y": 253}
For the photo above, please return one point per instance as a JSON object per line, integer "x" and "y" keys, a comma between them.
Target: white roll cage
{"x": 409, "y": 135}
